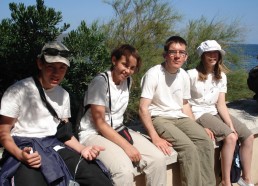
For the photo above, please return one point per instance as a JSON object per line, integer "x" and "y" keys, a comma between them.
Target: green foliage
{"x": 237, "y": 86}
{"x": 143, "y": 24}
{"x": 90, "y": 56}
{"x": 146, "y": 25}
{"x": 21, "y": 39}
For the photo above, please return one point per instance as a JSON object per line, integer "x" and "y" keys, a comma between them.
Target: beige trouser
{"x": 195, "y": 149}
{"x": 153, "y": 162}
{"x": 220, "y": 129}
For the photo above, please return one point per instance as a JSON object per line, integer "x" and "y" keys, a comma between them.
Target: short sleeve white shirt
{"x": 205, "y": 94}
{"x": 22, "y": 101}
{"x": 167, "y": 91}
{"x": 98, "y": 94}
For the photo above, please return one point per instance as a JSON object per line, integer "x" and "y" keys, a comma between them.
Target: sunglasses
{"x": 55, "y": 52}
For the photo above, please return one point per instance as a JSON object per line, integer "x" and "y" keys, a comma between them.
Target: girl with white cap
{"x": 208, "y": 89}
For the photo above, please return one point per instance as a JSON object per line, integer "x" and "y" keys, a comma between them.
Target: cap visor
{"x": 56, "y": 59}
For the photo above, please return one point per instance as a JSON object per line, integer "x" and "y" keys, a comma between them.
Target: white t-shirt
{"x": 166, "y": 91}
{"x": 205, "y": 94}
{"x": 22, "y": 101}
{"x": 97, "y": 94}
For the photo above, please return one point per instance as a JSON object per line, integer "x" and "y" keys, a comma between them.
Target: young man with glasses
{"x": 33, "y": 154}
{"x": 168, "y": 119}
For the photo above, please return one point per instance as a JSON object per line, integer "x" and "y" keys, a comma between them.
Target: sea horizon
{"x": 248, "y": 54}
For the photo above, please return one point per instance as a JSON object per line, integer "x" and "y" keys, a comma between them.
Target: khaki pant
{"x": 195, "y": 149}
{"x": 153, "y": 162}
{"x": 221, "y": 129}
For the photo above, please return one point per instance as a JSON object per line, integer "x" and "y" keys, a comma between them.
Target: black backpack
{"x": 252, "y": 81}
{"x": 236, "y": 167}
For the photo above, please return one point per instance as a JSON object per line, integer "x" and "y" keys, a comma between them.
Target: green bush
{"x": 237, "y": 86}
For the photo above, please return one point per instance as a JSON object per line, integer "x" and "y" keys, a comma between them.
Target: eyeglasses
{"x": 172, "y": 53}
{"x": 55, "y": 52}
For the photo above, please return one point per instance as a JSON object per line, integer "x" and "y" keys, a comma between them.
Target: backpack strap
{"x": 105, "y": 76}
{"x": 108, "y": 89}
{"x": 128, "y": 86}
{"x": 86, "y": 107}
{"x": 44, "y": 99}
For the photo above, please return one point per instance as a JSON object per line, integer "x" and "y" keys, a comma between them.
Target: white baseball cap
{"x": 209, "y": 45}
{"x": 55, "y": 51}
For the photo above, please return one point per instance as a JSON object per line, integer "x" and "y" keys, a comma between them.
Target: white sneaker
{"x": 241, "y": 182}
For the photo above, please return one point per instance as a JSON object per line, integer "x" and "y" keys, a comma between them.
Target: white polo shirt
{"x": 205, "y": 94}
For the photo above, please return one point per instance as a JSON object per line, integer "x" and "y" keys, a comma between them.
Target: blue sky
{"x": 74, "y": 11}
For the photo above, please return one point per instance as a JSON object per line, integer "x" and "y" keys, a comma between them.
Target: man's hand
{"x": 210, "y": 133}
{"x": 163, "y": 145}
{"x": 30, "y": 158}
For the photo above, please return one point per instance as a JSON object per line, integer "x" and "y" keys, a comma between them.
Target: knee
{"x": 248, "y": 141}
{"x": 189, "y": 152}
{"x": 190, "y": 155}
{"x": 158, "y": 161}
{"x": 123, "y": 172}
{"x": 231, "y": 139}
{"x": 250, "y": 138}
{"x": 123, "y": 178}
{"x": 206, "y": 144}
{"x": 126, "y": 174}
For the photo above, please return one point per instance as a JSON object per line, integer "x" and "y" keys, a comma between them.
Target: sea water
{"x": 248, "y": 55}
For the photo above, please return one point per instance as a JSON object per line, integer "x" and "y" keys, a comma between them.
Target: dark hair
{"x": 173, "y": 39}
{"x": 127, "y": 51}
{"x": 42, "y": 58}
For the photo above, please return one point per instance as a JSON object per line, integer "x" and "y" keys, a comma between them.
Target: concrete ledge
{"x": 245, "y": 110}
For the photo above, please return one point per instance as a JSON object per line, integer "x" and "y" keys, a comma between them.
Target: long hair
{"x": 219, "y": 67}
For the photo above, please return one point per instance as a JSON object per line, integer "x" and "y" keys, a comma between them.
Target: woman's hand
{"x": 91, "y": 152}
{"x": 234, "y": 131}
